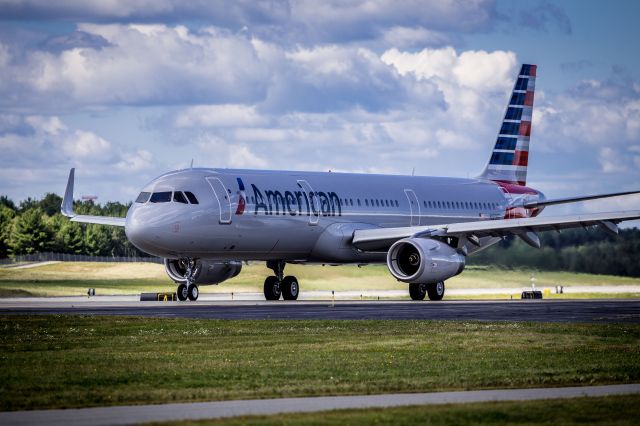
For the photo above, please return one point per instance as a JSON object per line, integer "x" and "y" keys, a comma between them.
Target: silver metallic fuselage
{"x": 303, "y": 216}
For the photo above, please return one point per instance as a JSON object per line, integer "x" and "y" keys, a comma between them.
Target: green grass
{"x": 612, "y": 410}
{"x": 69, "y": 278}
{"x": 75, "y": 361}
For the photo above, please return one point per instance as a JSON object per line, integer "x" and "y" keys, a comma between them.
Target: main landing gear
{"x": 278, "y": 284}
{"x": 434, "y": 290}
{"x": 188, "y": 290}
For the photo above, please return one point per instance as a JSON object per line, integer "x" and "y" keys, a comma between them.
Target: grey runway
{"x": 611, "y": 310}
{"x": 214, "y": 410}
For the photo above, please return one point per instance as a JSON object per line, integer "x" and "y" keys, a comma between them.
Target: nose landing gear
{"x": 188, "y": 290}
{"x": 278, "y": 284}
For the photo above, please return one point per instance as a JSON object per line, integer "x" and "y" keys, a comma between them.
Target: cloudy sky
{"x": 125, "y": 90}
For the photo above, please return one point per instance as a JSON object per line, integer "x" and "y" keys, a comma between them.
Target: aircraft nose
{"x": 139, "y": 231}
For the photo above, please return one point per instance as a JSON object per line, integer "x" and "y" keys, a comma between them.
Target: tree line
{"x": 37, "y": 226}
{"x": 589, "y": 250}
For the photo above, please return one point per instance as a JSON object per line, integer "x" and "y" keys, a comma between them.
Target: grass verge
{"x": 618, "y": 410}
{"x": 75, "y": 361}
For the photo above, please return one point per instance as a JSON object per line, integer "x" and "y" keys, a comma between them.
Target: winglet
{"x": 67, "y": 202}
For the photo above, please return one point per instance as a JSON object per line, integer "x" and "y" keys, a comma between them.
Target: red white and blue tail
{"x": 510, "y": 156}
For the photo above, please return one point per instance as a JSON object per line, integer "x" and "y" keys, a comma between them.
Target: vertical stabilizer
{"x": 510, "y": 156}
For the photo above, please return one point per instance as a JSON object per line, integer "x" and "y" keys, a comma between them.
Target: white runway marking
{"x": 214, "y": 410}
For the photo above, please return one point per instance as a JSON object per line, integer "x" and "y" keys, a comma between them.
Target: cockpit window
{"x": 161, "y": 197}
{"x": 192, "y": 198}
{"x": 143, "y": 197}
{"x": 179, "y": 197}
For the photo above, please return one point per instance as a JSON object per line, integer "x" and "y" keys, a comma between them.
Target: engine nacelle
{"x": 206, "y": 272}
{"x": 423, "y": 260}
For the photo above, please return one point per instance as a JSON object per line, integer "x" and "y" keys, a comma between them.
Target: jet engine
{"x": 206, "y": 272}
{"x": 423, "y": 260}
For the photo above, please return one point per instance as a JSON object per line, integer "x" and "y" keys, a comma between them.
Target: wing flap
{"x": 382, "y": 238}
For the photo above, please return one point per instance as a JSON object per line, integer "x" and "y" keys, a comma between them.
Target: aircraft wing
{"x": 67, "y": 208}
{"x": 552, "y": 202}
{"x": 383, "y": 238}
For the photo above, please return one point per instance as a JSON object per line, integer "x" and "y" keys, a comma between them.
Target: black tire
{"x": 290, "y": 288}
{"x": 272, "y": 288}
{"x": 436, "y": 291}
{"x": 182, "y": 292}
{"x": 417, "y": 291}
{"x": 192, "y": 292}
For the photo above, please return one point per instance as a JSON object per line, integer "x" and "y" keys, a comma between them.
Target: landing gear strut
{"x": 277, "y": 284}
{"x": 188, "y": 290}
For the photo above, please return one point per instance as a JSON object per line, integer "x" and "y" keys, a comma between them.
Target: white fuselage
{"x": 300, "y": 216}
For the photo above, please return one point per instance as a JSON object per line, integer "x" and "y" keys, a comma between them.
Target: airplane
{"x": 205, "y": 222}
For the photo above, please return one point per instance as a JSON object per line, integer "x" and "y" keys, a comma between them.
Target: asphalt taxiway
{"x": 607, "y": 310}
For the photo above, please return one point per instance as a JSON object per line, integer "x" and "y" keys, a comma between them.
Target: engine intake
{"x": 423, "y": 260}
{"x": 206, "y": 272}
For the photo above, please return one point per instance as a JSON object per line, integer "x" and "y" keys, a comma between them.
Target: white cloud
{"x": 594, "y": 113}
{"x": 81, "y": 145}
{"x": 229, "y": 155}
{"x": 610, "y": 161}
{"x": 4, "y": 55}
{"x": 135, "y": 161}
{"x": 142, "y": 64}
{"x": 403, "y": 37}
{"x": 228, "y": 115}
{"x": 477, "y": 70}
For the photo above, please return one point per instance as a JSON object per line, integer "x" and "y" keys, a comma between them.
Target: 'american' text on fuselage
{"x": 296, "y": 202}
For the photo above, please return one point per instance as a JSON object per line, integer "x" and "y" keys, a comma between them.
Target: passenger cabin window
{"x": 161, "y": 197}
{"x": 192, "y": 198}
{"x": 143, "y": 197}
{"x": 179, "y": 197}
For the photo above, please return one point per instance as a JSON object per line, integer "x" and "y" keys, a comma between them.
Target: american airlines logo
{"x": 293, "y": 203}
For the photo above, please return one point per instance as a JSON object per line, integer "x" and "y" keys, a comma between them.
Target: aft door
{"x": 414, "y": 207}
{"x": 314, "y": 202}
{"x": 222, "y": 196}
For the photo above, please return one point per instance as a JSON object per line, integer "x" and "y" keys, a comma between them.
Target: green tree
{"x": 97, "y": 240}
{"x": 6, "y": 202}
{"x": 50, "y": 204}
{"x": 72, "y": 238}
{"x": 28, "y": 204}
{"x": 6, "y": 219}
{"x": 30, "y": 233}
{"x": 68, "y": 235}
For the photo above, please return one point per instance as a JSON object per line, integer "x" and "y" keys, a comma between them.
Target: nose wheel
{"x": 278, "y": 285}
{"x": 188, "y": 290}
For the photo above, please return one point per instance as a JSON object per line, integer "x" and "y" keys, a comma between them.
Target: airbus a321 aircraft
{"x": 205, "y": 222}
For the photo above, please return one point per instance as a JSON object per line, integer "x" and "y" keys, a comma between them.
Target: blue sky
{"x": 126, "y": 90}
